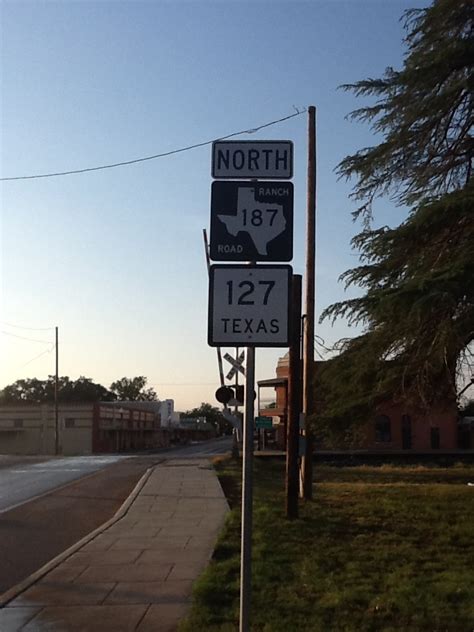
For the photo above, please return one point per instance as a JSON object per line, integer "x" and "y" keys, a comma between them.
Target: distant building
{"x": 164, "y": 408}
{"x": 169, "y": 418}
{"x": 393, "y": 426}
{"x": 84, "y": 428}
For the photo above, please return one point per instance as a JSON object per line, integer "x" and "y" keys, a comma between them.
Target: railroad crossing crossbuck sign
{"x": 237, "y": 364}
{"x": 249, "y": 305}
{"x": 251, "y": 221}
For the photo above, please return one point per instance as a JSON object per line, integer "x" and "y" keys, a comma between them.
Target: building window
{"x": 18, "y": 423}
{"x": 435, "y": 438}
{"x": 406, "y": 432}
{"x": 69, "y": 422}
{"x": 383, "y": 433}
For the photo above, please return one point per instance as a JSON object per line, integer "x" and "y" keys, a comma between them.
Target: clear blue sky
{"x": 115, "y": 258}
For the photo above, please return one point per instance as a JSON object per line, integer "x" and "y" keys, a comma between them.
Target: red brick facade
{"x": 394, "y": 426}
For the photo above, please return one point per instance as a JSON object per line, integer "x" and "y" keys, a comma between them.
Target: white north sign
{"x": 249, "y": 305}
{"x": 262, "y": 159}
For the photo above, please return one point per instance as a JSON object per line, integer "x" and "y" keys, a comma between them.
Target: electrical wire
{"x": 28, "y": 328}
{"x": 157, "y": 384}
{"x": 38, "y": 356}
{"x": 161, "y": 155}
{"x": 7, "y": 333}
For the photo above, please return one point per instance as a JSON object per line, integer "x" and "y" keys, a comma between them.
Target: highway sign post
{"x": 248, "y": 159}
{"x": 251, "y": 221}
{"x": 249, "y": 305}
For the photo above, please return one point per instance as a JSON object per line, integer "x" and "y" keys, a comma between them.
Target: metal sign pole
{"x": 236, "y": 408}
{"x": 247, "y": 495}
{"x": 208, "y": 262}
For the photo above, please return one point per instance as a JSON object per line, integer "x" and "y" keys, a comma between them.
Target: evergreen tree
{"x": 424, "y": 111}
{"x": 418, "y": 308}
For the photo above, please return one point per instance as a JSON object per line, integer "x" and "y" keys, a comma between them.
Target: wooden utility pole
{"x": 56, "y": 394}
{"x": 308, "y": 342}
{"x": 294, "y": 401}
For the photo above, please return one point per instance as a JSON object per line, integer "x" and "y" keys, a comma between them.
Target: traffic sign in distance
{"x": 247, "y": 159}
{"x": 249, "y": 305}
{"x": 251, "y": 221}
{"x": 264, "y": 422}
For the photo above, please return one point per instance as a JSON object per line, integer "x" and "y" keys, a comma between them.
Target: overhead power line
{"x": 38, "y": 356}
{"x": 28, "y": 328}
{"x": 161, "y": 155}
{"x": 7, "y": 333}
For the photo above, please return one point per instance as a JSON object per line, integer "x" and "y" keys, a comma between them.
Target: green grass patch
{"x": 379, "y": 548}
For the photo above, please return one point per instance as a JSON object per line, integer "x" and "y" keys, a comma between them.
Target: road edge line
{"x": 19, "y": 588}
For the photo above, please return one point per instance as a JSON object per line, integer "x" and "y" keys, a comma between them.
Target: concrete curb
{"x": 16, "y": 590}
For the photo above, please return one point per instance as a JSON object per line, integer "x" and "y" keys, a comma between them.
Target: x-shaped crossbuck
{"x": 237, "y": 364}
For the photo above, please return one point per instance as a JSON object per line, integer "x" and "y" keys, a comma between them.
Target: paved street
{"x": 23, "y": 479}
{"x": 34, "y": 532}
{"x": 138, "y": 574}
{"x": 197, "y": 450}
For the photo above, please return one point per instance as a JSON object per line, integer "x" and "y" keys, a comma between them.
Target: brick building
{"x": 393, "y": 426}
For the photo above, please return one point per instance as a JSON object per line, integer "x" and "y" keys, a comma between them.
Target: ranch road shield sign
{"x": 251, "y": 221}
{"x": 249, "y": 305}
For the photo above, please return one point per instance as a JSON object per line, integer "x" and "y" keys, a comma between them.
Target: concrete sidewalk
{"x": 136, "y": 575}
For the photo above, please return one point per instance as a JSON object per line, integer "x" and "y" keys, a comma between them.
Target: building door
{"x": 464, "y": 437}
{"x": 406, "y": 432}
{"x": 435, "y": 438}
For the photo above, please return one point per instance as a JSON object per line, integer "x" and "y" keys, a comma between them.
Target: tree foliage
{"x": 418, "y": 306}
{"x": 468, "y": 409}
{"x": 212, "y": 414}
{"x": 34, "y": 391}
{"x": 133, "y": 389}
{"x": 423, "y": 110}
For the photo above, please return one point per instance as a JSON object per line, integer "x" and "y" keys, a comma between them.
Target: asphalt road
{"x": 34, "y": 532}
{"x": 193, "y": 450}
{"x": 22, "y": 480}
